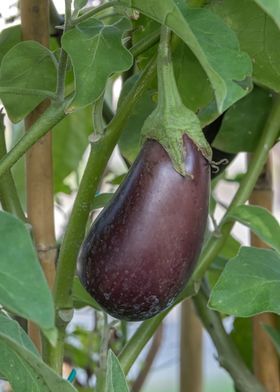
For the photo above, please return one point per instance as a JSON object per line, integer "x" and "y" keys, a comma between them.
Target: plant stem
{"x": 8, "y": 193}
{"x": 228, "y": 355}
{"x": 168, "y": 94}
{"x": 138, "y": 341}
{"x": 54, "y": 114}
{"x": 62, "y": 65}
{"x": 148, "y": 361}
{"x": 95, "y": 11}
{"x": 145, "y": 43}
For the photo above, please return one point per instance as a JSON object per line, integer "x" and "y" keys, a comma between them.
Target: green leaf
{"x": 89, "y": 44}
{"x": 213, "y": 43}
{"x": 11, "y": 328}
{"x": 192, "y": 81}
{"x": 26, "y": 371}
{"x": 249, "y": 284}
{"x": 258, "y": 36}
{"x": 272, "y": 8}
{"x": 274, "y": 335}
{"x": 243, "y": 123}
{"x": 70, "y": 139}
{"x": 260, "y": 221}
{"x": 81, "y": 297}
{"x": 23, "y": 286}
{"x": 37, "y": 67}
{"x": 115, "y": 378}
{"x": 101, "y": 200}
{"x": 8, "y": 38}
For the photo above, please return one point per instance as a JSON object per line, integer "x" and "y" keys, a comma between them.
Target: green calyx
{"x": 171, "y": 119}
{"x": 168, "y": 129}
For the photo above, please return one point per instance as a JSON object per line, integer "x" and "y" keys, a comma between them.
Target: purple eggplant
{"x": 142, "y": 248}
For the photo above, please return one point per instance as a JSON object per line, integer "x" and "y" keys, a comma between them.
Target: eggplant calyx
{"x": 168, "y": 127}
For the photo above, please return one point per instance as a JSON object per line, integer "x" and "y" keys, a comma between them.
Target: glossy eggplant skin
{"x": 142, "y": 248}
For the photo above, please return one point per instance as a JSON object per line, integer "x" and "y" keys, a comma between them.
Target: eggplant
{"x": 142, "y": 248}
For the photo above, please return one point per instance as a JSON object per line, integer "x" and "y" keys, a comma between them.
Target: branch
{"x": 8, "y": 193}
{"x": 138, "y": 341}
{"x": 228, "y": 355}
{"x": 148, "y": 361}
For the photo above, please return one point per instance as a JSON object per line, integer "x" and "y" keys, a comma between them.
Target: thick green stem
{"x": 53, "y": 355}
{"x": 101, "y": 151}
{"x": 145, "y": 43}
{"x": 54, "y": 114}
{"x": 62, "y": 65}
{"x": 228, "y": 356}
{"x": 8, "y": 193}
{"x": 168, "y": 94}
{"x": 138, "y": 341}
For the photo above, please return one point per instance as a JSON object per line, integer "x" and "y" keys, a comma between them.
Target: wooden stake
{"x": 35, "y": 26}
{"x": 266, "y": 363}
{"x": 190, "y": 349}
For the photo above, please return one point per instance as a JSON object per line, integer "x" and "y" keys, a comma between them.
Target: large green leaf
{"x": 260, "y": 221}
{"x": 23, "y": 286}
{"x": 115, "y": 378}
{"x": 96, "y": 52}
{"x": 249, "y": 284}
{"x": 243, "y": 122}
{"x": 28, "y": 66}
{"x": 272, "y": 8}
{"x": 258, "y": 36}
{"x": 26, "y": 371}
{"x": 70, "y": 139}
{"x": 213, "y": 43}
{"x": 192, "y": 81}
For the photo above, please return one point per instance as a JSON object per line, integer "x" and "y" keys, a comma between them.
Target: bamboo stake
{"x": 35, "y": 26}
{"x": 265, "y": 358}
{"x": 190, "y": 349}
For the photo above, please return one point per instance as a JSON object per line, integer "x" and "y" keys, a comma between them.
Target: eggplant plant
{"x": 196, "y": 91}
